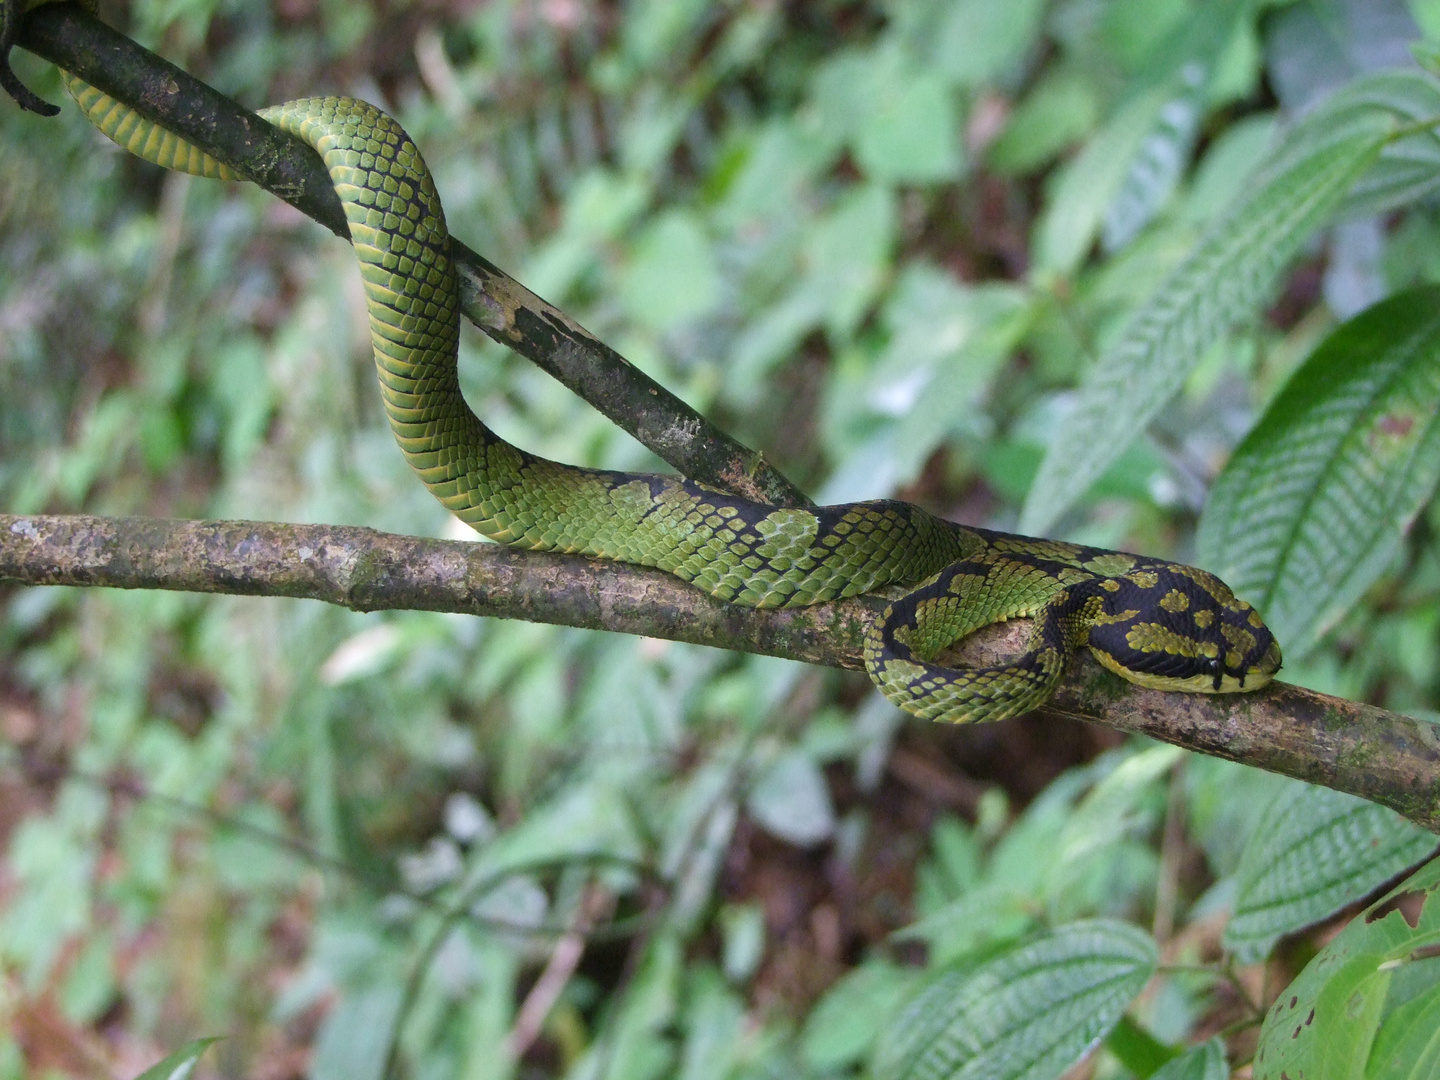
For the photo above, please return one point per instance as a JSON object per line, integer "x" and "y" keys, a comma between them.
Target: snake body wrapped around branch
{"x": 1156, "y": 623}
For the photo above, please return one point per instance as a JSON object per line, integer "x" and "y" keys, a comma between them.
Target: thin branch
{"x": 596, "y": 901}
{"x": 500, "y": 306}
{"x": 1382, "y": 756}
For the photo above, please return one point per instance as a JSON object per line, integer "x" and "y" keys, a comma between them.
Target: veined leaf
{"x": 1409, "y": 167}
{"x": 1084, "y": 188}
{"x": 1315, "y": 501}
{"x": 1329, "y": 1015}
{"x": 1027, "y": 1014}
{"x": 1312, "y": 852}
{"x": 1186, "y": 62}
{"x": 1407, "y": 1046}
{"x": 1226, "y": 278}
{"x": 1159, "y": 162}
{"x": 1126, "y": 172}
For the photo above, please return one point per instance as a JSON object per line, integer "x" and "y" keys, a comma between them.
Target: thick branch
{"x": 1387, "y": 758}
{"x": 365, "y": 570}
{"x": 495, "y": 302}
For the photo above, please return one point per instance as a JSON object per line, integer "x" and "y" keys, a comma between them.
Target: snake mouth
{"x": 1253, "y": 676}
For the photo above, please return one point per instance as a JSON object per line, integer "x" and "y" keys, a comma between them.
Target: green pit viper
{"x": 1156, "y": 623}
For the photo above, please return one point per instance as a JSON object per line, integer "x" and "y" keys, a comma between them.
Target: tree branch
{"x": 1382, "y": 756}
{"x": 1385, "y": 757}
{"x": 500, "y": 306}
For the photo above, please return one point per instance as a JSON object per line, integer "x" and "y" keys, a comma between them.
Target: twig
{"x": 595, "y": 902}
{"x": 1172, "y": 841}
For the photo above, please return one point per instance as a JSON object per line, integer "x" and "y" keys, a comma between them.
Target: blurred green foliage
{"x": 884, "y": 242}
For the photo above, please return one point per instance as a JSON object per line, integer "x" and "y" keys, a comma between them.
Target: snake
{"x": 1159, "y": 624}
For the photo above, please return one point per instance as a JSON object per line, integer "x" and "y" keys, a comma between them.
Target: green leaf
{"x": 714, "y": 1021}
{"x": 1349, "y": 1009}
{"x": 1134, "y": 29}
{"x": 1114, "y": 808}
{"x": 672, "y": 277}
{"x": 1314, "y": 47}
{"x": 1315, "y": 501}
{"x": 1226, "y": 278}
{"x": 975, "y": 920}
{"x": 910, "y": 130}
{"x": 845, "y": 1023}
{"x": 583, "y": 820}
{"x": 1128, "y": 170}
{"x": 976, "y": 41}
{"x": 900, "y": 118}
{"x": 1407, "y": 1047}
{"x": 1156, "y": 170}
{"x": 655, "y": 30}
{"x": 180, "y": 1064}
{"x": 1084, "y": 188}
{"x": 641, "y": 1048}
{"x": 946, "y": 341}
{"x": 1060, "y": 110}
{"x": 1203, "y": 1062}
{"x": 845, "y": 258}
{"x": 1027, "y": 1014}
{"x": 1409, "y": 167}
{"x": 742, "y": 927}
{"x": 1221, "y": 176}
{"x": 1310, "y": 1021}
{"x": 1138, "y": 1050}
{"x": 791, "y": 800}
{"x": 1221, "y": 798}
{"x": 355, "y": 1037}
{"x": 1312, "y": 852}
{"x": 1193, "y": 47}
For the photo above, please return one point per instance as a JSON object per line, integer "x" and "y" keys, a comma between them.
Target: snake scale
{"x": 1159, "y": 624}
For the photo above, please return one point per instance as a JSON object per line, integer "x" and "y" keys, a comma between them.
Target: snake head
{"x": 1174, "y": 627}
{"x": 1251, "y": 655}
